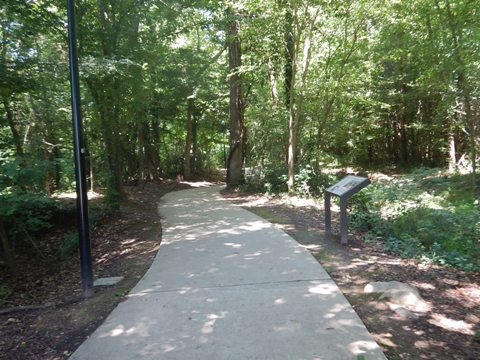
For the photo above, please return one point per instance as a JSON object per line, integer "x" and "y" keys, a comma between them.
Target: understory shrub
{"x": 272, "y": 179}
{"x": 421, "y": 216}
{"x": 24, "y": 212}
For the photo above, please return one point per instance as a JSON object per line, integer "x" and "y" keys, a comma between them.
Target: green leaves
{"x": 425, "y": 215}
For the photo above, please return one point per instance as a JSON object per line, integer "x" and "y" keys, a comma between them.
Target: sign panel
{"x": 344, "y": 189}
{"x": 348, "y": 185}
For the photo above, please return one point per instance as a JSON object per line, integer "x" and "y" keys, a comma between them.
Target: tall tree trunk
{"x": 194, "y": 163}
{"x": 273, "y": 85}
{"x": 297, "y": 92}
{"x": 153, "y": 150}
{"x": 187, "y": 154}
{"x": 289, "y": 73}
{"x": 237, "y": 127}
{"x": 452, "y": 152}
{"x": 463, "y": 86}
{"x": 108, "y": 110}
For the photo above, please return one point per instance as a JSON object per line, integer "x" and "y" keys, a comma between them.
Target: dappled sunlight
{"x": 452, "y": 294}
{"x": 221, "y": 280}
{"x": 73, "y": 195}
{"x": 140, "y": 329}
{"x": 280, "y": 301}
{"x": 291, "y": 326}
{"x": 451, "y": 324}
{"x": 385, "y": 339}
{"x": 211, "y": 320}
{"x": 208, "y": 271}
{"x": 427, "y": 344}
{"x": 198, "y": 184}
{"x": 311, "y": 247}
{"x": 362, "y": 347}
{"x": 119, "y": 330}
{"x": 423, "y": 285}
{"x": 322, "y": 288}
{"x": 233, "y": 245}
{"x": 200, "y": 230}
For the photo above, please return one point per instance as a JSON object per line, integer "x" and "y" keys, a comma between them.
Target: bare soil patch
{"x": 55, "y": 319}
{"x": 450, "y": 330}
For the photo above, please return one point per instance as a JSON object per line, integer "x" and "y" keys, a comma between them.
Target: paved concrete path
{"x": 227, "y": 284}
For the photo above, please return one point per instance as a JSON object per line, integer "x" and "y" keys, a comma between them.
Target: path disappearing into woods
{"x": 227, "y": 284}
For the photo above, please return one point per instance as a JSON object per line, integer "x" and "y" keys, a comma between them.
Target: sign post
{"x": 344, "y": 189}
{"x": 79, "y": 154}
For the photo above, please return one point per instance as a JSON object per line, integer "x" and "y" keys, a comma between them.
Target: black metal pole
{"x": 79, "y": 154}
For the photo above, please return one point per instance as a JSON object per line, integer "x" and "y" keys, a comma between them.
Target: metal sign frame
{"x": 344, "y": 189}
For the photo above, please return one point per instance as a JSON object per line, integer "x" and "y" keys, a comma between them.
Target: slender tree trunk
{"x": 296, "y": 100}
{"x": 463, "y": 86}
{"x": 273, "y": 85}
{"x": 141, "y": 152}
{"x": 153, "y": 150}
{"x": 194, "y": 163}
{"x": 452, "y": 152}
{"x": 237, "y": 127}
{"x": 17, "y": 140}
{"x": 187, "y": 167}
{"x": 290, "y": 58}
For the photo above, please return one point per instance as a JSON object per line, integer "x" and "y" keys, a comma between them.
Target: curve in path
{"x": 226, "y": 284}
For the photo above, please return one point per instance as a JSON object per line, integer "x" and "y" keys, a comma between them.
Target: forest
{"x": 286, "y": 95}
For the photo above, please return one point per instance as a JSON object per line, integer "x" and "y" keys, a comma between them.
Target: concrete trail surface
{"x": 227, "y": 284}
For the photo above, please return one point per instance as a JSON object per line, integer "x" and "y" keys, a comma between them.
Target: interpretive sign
{"x": 344, "y": 189}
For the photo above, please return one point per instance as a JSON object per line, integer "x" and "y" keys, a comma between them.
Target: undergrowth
{"x": 426, "y": 214}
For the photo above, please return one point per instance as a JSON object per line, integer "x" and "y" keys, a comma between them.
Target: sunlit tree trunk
{"x": 297, "y": 91}
{"x": 237, "y": 128}
{"x": 187, "y": 154}
{"x": 463, "y": 85}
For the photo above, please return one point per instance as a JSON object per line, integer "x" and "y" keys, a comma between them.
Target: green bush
{"x": 25, "y": 212}
{"x": 422, "y": 215}
{"x": 311, "y": 183}
{"x": 272, "y": 179}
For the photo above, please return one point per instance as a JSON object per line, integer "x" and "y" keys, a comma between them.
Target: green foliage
{"x": 311, "y": 183}
{"x": 23, "y": 172}
{"x": 272, "y": 179}
{"x": 23, "y": 206}
{"x": 25, "y": 212}
{"x": 420, "y": 215}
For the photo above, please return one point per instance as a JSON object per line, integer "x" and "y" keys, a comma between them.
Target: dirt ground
{"x": 450, "y": 330}
{"x": 54, "y": 318}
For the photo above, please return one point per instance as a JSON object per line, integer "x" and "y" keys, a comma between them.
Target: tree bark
{"x": 187, "y": 166}
{"x": 237, "y": 128}
{"x": 296, "y": 100}
{"x": 13, "y": 127}
{"x": 463, "y": 87}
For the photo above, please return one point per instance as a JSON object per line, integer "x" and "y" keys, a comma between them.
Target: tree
{"x": 237, "y": 128}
